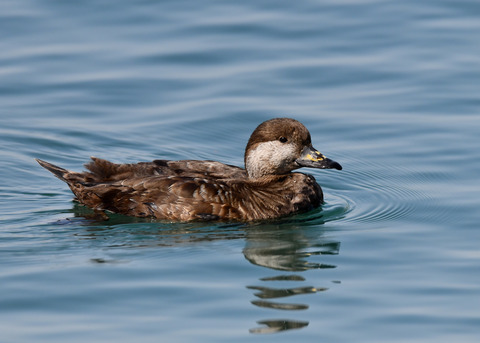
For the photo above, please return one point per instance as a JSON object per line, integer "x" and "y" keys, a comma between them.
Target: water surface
{"x": 388, "y": 89}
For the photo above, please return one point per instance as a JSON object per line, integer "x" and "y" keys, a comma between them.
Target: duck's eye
{"x": 283, "y": 139}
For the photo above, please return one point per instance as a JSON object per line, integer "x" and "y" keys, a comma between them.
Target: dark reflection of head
{"x": 287, "y": 248}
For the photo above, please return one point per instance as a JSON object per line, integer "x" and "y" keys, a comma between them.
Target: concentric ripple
{"x": 373, "y": 193}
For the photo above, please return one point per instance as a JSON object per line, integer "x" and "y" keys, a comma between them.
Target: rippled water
{"x": 388, "y": 89}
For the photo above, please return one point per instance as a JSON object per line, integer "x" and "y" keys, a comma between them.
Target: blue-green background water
{"x": 390, "y": 89}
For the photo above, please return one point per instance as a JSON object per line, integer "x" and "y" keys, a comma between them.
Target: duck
{"x": 194, "y": 190}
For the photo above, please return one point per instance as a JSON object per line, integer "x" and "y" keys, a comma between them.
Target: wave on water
{"x": 374, "y": 193}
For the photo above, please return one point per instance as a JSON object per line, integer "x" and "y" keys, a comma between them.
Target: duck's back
{"x": 173, "y": 190}
{"x": 105, "y": 171}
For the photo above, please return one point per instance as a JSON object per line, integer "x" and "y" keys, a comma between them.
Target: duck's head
{"x": 280, "y": 145}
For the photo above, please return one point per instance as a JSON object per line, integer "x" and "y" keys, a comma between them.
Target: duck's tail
{"x": 55, "y": 170}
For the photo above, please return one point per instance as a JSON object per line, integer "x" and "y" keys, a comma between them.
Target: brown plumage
{"x": 208, "y": 190}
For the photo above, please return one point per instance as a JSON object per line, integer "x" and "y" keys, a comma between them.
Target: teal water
{"x": 388, "y": 89}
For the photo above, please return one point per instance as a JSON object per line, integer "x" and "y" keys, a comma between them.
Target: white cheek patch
{"x": 270, "y": 158}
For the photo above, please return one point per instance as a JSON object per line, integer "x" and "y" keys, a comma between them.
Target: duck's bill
{"x": 312, "y": 158}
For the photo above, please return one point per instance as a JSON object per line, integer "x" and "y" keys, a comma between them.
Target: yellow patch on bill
{"x": 319, "y": 157}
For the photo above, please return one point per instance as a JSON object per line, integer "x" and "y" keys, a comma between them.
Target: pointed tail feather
{"x": 55, "y": 170}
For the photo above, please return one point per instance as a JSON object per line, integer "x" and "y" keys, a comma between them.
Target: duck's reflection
{"x": 289, "y": 248}
{"x": 285, "y": 249}
{"x": 273, "y": 326}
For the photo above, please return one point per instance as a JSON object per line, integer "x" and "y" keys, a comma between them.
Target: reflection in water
{"x": 271, "y": 293}
{"x": 273, "y": 326}
{"x": 284, "y": 278}
{"x": 278, "y": 306}
{"x": 286, "y": 249}
{"x": 285, "y": 246}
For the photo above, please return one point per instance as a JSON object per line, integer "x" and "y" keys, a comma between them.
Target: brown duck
{"x": 207, "y": 190}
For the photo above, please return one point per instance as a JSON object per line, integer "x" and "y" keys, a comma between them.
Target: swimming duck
{"x": 189, "y": 190}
